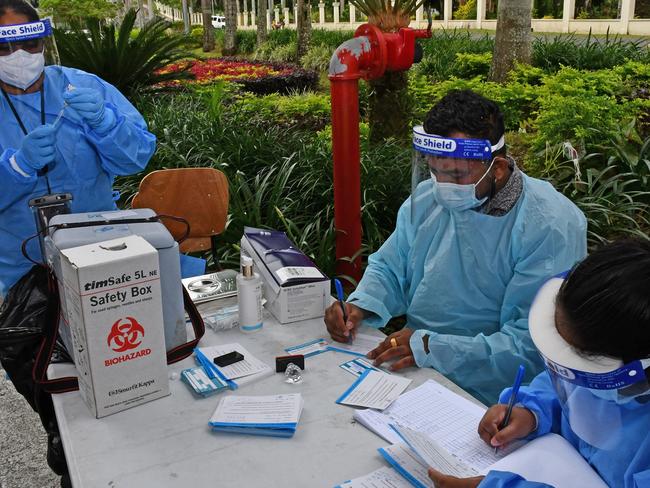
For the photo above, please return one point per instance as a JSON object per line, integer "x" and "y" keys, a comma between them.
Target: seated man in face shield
{"x": 592, "y": 329}
{"x": 472, "y": 245}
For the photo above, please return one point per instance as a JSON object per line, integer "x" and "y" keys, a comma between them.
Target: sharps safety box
{"x": 154, "y": 232}
{"x": 113, "y": 311}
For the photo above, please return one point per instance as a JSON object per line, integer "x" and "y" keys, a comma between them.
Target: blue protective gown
{"x": 467, "y": 280}
{"x": 627, "y": 465}
{"x": 86, "y": 162}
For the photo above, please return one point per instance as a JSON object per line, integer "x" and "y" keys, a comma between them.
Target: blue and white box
{"x": 294, "y": 288}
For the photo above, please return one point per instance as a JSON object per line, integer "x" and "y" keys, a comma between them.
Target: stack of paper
{"x": 200, "y": 383}
{"x": 382, "y": 478}
{"x": 374, "y": 389}
{"x": 274, "y": 415}
{"x": 236, "y": 374}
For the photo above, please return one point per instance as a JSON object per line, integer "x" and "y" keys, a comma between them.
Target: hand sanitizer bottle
{"x": 249, "y": 297}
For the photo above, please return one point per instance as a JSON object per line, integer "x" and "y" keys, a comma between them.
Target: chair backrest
{"x": 198, "y": 195}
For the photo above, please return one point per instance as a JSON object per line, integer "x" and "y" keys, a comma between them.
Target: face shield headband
{"x": 567, "y": 364}
{"x": 25, "y": 32}
{"x": 449, "y": 147}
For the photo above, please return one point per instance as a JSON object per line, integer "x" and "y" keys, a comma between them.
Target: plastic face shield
{"x": 594, "y": 391}
{"x": 24, "y": 50}
{"x": 446, "y": 160}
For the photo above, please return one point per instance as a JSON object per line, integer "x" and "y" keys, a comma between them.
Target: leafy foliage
{"x": 70, "y": 10}
{"x": 127, "y": 63}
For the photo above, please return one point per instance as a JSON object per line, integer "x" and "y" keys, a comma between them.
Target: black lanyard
{"x": 13, "y": 109}
{"x": 42, "y": 171}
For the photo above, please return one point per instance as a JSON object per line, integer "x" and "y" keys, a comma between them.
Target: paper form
{"x": 250, "y": 365}
{"x": 310, "y": 348}
{"x": 362, "y": 345}
{"x": 432, "y": 455}
{"x": 406, "y": 462}
{"x": 258, "y": 410}
{"x": 552, "y": 460}
{"x": 382, "y": 478}
{"x": 378, "y": 422}
{"x": 357, "y": 366}
{"x": 374, "y": 389}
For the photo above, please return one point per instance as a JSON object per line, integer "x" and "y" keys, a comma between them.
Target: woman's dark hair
{"x": 19, "y": 7}
{"x": 468, "y": 112}
{"x": 605, "y": 301}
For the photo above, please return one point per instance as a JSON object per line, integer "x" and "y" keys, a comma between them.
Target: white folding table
{"x": 167, "y": 442}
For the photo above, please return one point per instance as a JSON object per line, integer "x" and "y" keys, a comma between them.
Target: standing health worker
{"x": 62, "y": 131}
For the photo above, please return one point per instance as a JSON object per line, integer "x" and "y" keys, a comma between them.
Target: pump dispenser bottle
{"x": 249, "y": 297}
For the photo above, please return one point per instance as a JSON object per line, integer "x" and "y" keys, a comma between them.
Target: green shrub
{"x": 439, "y": 52}
{"x": 109, "y": 52}
{"x": 330, "y": 38}
{"x": 588, "y": 54}
{"x": 300, "y": 110}
{"x": 246, "y": 41}
{"x": 467, "y": 11}
{"x": 317, "y": 57}
{"x": 470, "y": 65}
{"x": 284, "y": 53}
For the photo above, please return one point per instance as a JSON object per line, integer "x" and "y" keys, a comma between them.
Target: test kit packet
{"x": 294, "y": 288}
{"x": 111, "y": 301}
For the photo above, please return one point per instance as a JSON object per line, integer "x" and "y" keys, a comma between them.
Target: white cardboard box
{"x": 290, "y": 303}
{"x": 113, "y": 306}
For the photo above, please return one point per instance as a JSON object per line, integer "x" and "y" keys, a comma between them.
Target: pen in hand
{"x": 339, "y": 295}
{"x": 513, "y": 398}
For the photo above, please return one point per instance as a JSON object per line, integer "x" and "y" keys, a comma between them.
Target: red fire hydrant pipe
{"x": 345, "y": 70}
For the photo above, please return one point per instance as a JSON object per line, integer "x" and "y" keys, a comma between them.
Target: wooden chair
{"x": 198, "y": 195}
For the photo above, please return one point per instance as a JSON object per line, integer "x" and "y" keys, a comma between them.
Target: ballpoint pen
{"x": 339, "y": 295}
{"x": 513, "y": 399}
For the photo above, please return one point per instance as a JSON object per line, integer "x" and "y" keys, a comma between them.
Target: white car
{"x": 218, "y": 22}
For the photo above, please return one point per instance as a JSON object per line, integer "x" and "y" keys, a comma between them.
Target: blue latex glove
{"x": 89, "y": 104}
{"x": 37, "y": 149}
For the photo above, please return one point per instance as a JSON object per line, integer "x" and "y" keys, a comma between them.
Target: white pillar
{"x": 295, "y": 15}
{"x": 276, "y": 16}
{"x": 337, "y": 12}
{"x": 268, "y": 19}
{"x": 480, "y": 13}
{"x": 447, "y": 12}
{"x": 353, "y": 13}
{"x": 321, "y": 13}
{"x": 286, "y": 16}
{"x": 568, "y": 13}
{"x": 246, "y": 17}
{"x": 419, "y": 13}
{"x": 627, "y": 13}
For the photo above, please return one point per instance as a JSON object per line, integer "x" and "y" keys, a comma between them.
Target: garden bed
{"x": 260, "y": 77}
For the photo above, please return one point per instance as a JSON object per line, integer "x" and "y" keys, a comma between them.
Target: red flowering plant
{"x": 255, "y": 76}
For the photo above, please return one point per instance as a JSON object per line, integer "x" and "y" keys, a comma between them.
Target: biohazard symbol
{"x": 125, "y": 334}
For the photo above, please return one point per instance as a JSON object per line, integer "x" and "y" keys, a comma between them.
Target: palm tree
{"x": 513, "y": 38}
{"x": 303, "y": 27}
{"x": 208, "y": 30}
{"x": 230, "y": 39}
{"x": 389, "y": 99}
{"x": 262, "y": 33}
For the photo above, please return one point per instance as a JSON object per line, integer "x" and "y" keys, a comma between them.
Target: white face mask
{"x": 21, "y": 69}
{"x": 457, "y": 197}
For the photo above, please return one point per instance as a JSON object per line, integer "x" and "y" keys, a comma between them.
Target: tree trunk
{"x": 390, "y": 106}
{"x": 303, "y": 27}
{"x": 513, "y": 37}
{"x": 141, "y": 21}
{"x": 186, "y": 18}
{"x": 230, "y": 38}
{"x": 208, "y": 30}
{"x": 261, "y": 22}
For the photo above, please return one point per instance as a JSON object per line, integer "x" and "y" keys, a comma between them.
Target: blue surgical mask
{"x": 453, "y": 196}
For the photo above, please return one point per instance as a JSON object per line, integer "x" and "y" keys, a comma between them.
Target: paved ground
{"x": 22, "y": 443}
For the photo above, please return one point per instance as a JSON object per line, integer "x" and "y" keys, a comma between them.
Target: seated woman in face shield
{"x": 63, "y": 131}
{"x": 592, "y": 330}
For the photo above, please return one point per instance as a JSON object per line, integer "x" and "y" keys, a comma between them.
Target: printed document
{"x": 382, "y": 478}
{"x": 258, "y": 410}
{"x": 374, "y": 389}
{"x": 248, "y": 366}
{"x": 408, "y": 464}
{"x": 362, "y": 345}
